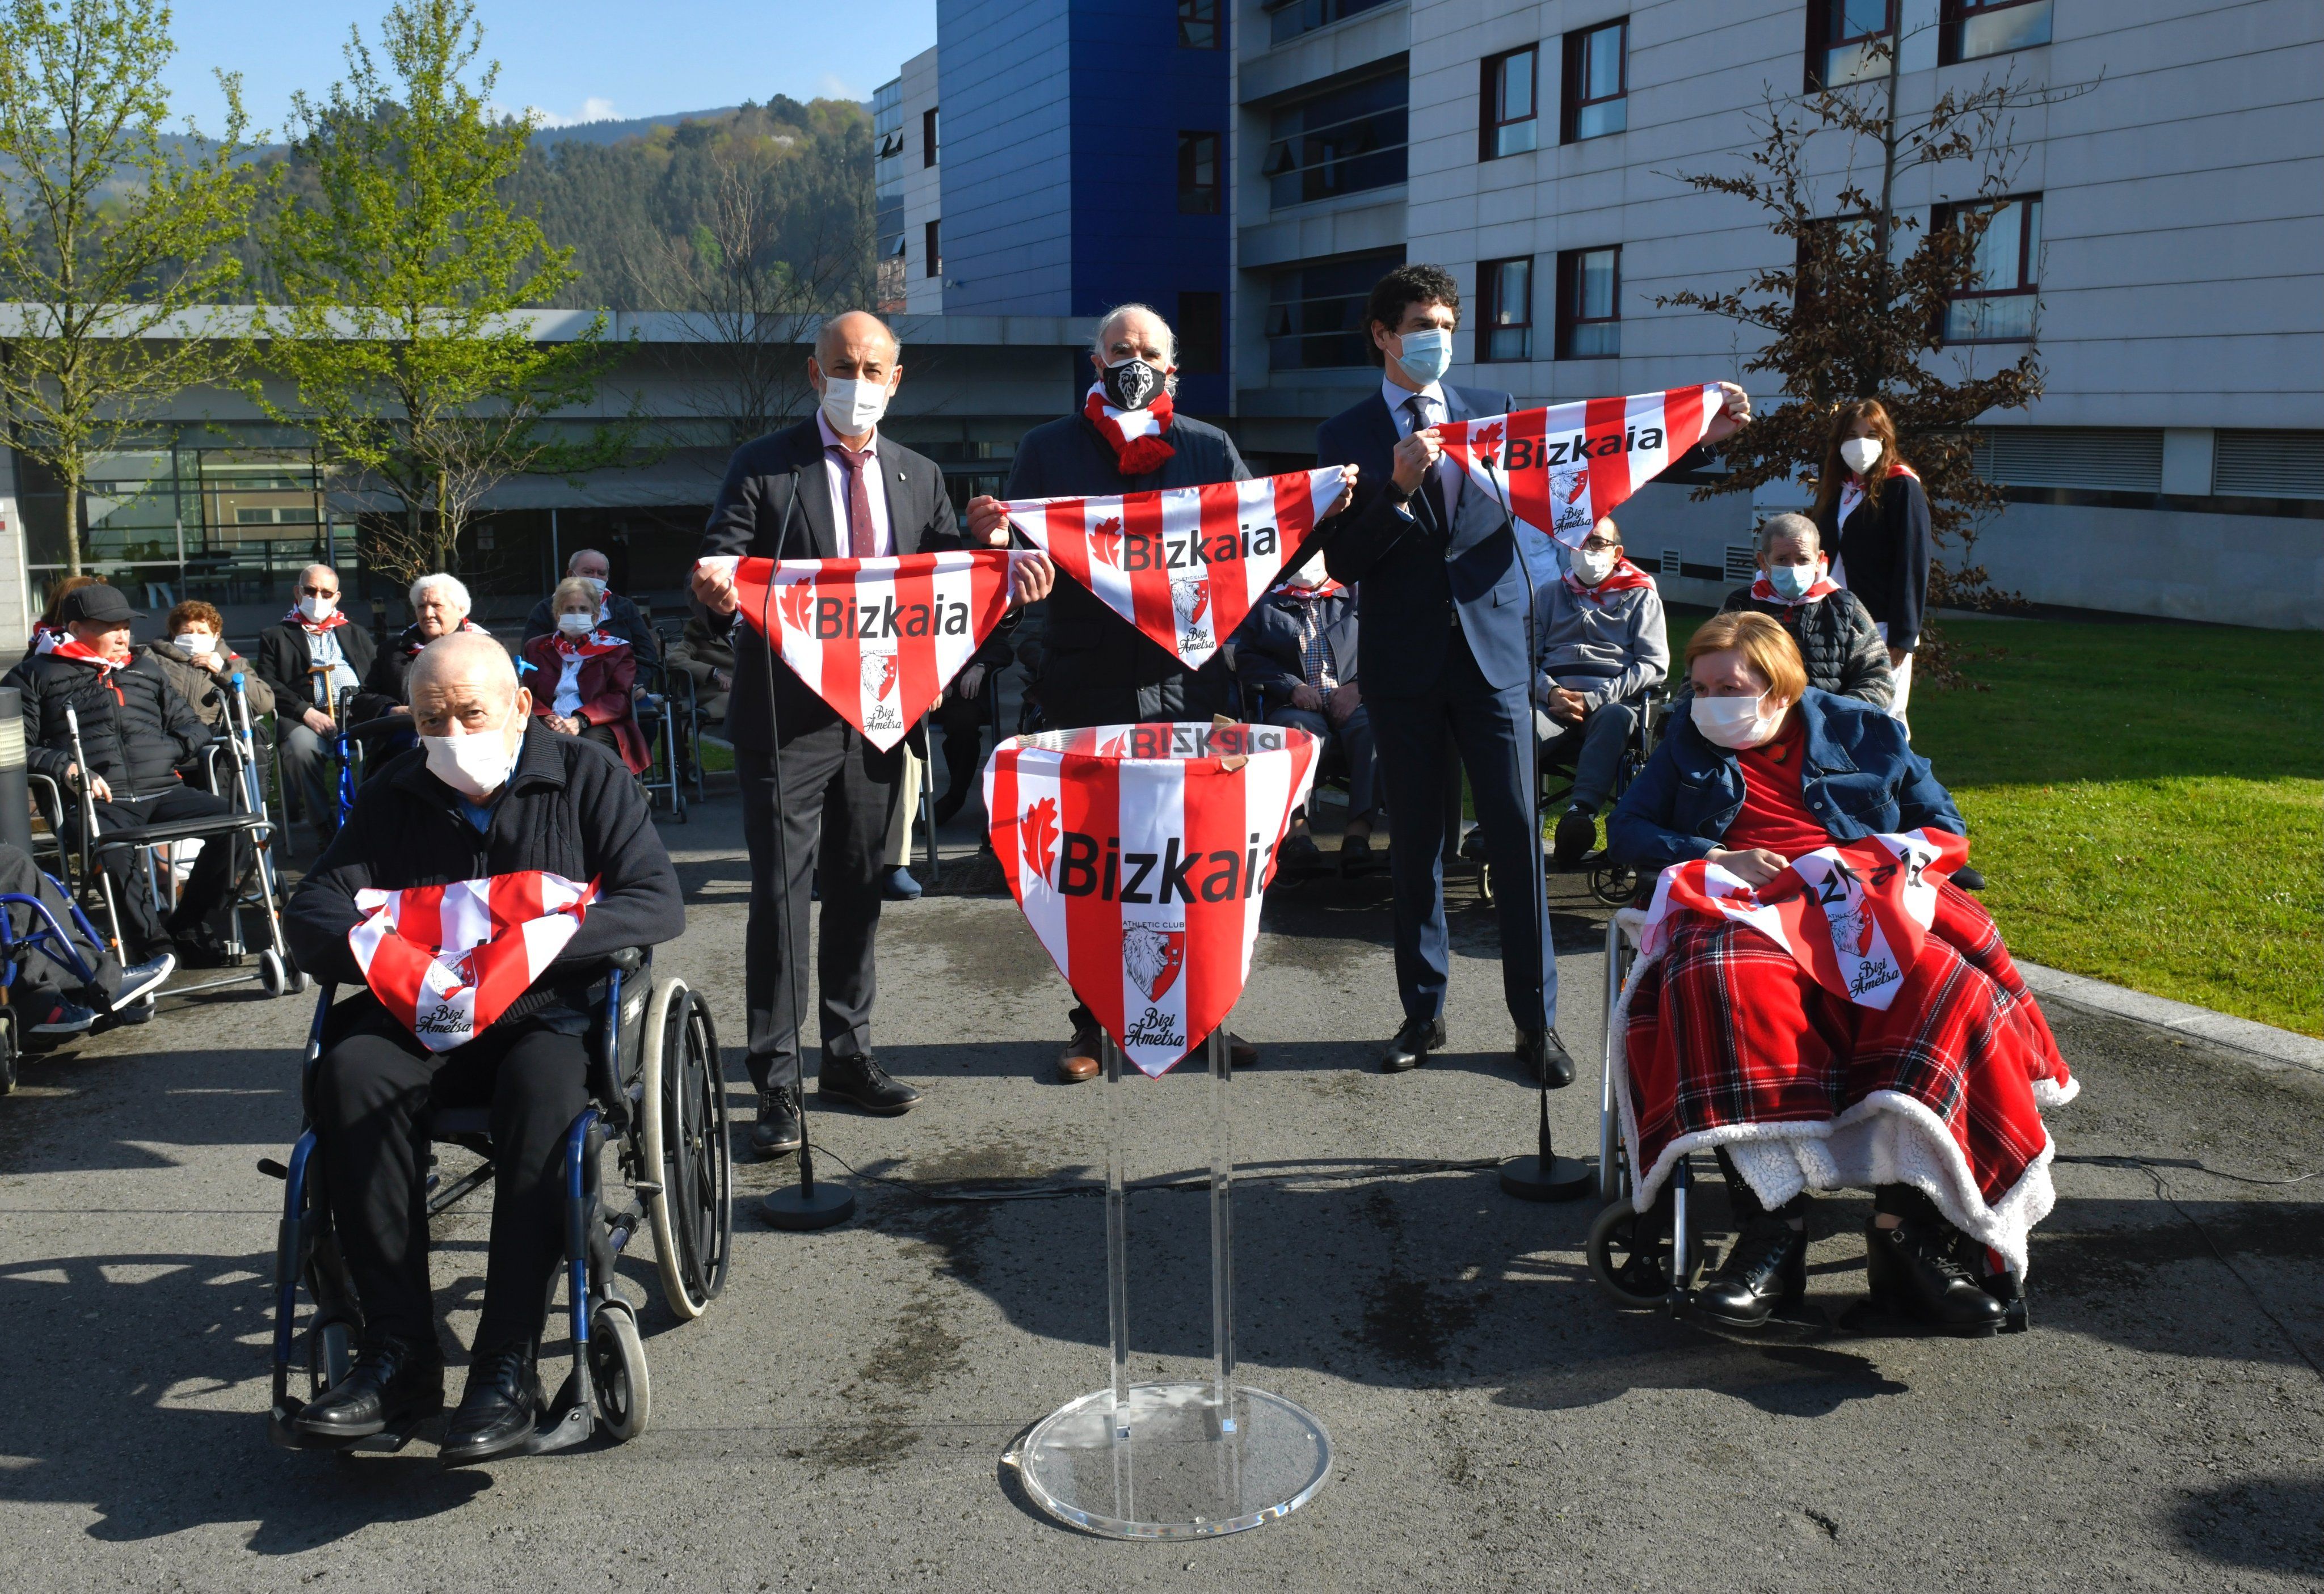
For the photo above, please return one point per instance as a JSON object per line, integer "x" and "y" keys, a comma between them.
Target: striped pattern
{"x": 449, "y": 959}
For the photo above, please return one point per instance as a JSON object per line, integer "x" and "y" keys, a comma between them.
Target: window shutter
{"x": 2269, "y": 465}
{"x": 2108, "y": 458}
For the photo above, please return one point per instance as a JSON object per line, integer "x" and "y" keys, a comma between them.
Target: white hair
{"x": 440, "y": 579}
{"x": 1105, "y": 326}
{"x": 578, "y": 554}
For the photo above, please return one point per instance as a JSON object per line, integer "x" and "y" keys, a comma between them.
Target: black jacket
{"x": 134, "y": 729}
{"x": 1267, "y": 660}
{"x": 623, "y": 619}
{"x": 1883, "y": 555}
{"x": 570, "y": 808}
{"x": 284, "y": 658}
{"x": 1844, "y": 655}
{"x": 775, "y": 505}
{"x": 1089, "y": 648}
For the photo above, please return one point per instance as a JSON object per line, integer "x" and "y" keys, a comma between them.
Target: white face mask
{"x": 1427, "y": 355}
{"x": 1591, "y": 565}
{"x": 596, "y": 583}
{"x": 853, "y": 407}
{"x": 476, "y": 765}
{"x": 194, "y": 641}
{"x": 575, "y": 625}
{"x": 1736, "y": 722}
{"x": 1861, "y": 454}
{"x": 315, "y": 608}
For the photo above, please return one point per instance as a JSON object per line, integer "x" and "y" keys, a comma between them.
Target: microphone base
{"x": 801, "y": 1210}
{"x": 1566, "y": 1178}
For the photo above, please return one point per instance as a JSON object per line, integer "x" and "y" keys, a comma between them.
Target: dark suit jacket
{"x": 1409, "y": 575}
{"x": 285, "y": 654}
{"x": 1883, "y": 551}
{"x": 1267, "y": 660}
{"x": 775, "y": 505}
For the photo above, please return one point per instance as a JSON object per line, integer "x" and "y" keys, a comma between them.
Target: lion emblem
{"x": 1152, "y": 955}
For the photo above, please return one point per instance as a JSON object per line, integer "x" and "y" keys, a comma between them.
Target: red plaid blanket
{"x": 1723, "y": 1039}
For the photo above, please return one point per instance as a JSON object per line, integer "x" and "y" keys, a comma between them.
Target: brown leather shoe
{"x": 1079, "y": 1061}
{"x": 1241, "y": 1053}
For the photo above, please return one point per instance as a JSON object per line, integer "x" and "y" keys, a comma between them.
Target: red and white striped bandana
{"x": 1184, "y": 565}
{"x": 590, "y": 646}
{"x": 1763, "y": 590}
{"x": 1135, "y": 436}
{"x": 1140, "y": 854}
{"x": 878, "y": 639}
{"x": 449, "y": 959}
{"x": 1624, "y": 577}
{"x": 65, "y": 645}
{"x": 1853, "y": 914}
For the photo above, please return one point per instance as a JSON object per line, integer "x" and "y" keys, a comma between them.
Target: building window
{"x": 1342, "y": 141}
{"x": 1590, "y": 304}
{"x": 1999, "y": 307}
{"x": 1287, "y": 19}
{"x": 1509, "y": 124}
{"x": 936, "y": 250}
{"x": 1848, "y": 40}
{"x": 1202, "y": 328}
{"x": 1198, "y": 24}
{"x": 1505, "y": 314}
{"x": 928, "y": 136}
{"x": 1198, "y": 174}
{"x": 1597, "y": 82}
{"x": 1315, "y": 314}
{"x": 1974, "y": 28}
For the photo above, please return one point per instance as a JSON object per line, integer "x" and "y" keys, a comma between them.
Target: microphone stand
{"x": 801, "y": 1207}
{"x": 1544, "y": 1175}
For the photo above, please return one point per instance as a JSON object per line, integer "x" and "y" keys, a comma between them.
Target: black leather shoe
{"x": 1299, "y": 855}
{"x": 1577, "y": 833}
{"x": 1968, "y": 879}
{"x": 1916, "y": 1272}
{"x": 1767, "y": 1267}
{"x": 1543, "y": 1055}
{"x": 497, "y": 1413}
{"x": 392, "y": 1383}
{"x": 862, "y": 1083}
{"x": 777, "y": 1132}
{"x": 1412, "y": 1044}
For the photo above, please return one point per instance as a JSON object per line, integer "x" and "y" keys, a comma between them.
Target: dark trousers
{"x": 961, "y": 722}
{"x": 41, "y": 968}
{"x": 837, "y": 790}
{"x": 371, "y": 1084}
{"x": 1353, "y": 738}
{"x": 1492, "y": 731}
{"x": 1594, "y": 748}
{"x": 309, "y": 772}
{"x": 144, "y": 929}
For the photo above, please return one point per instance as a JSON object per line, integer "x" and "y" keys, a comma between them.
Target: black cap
{"x": 95, "y": 601}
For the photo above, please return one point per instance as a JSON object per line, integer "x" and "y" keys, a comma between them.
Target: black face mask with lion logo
{"x": 1132, "y": 384}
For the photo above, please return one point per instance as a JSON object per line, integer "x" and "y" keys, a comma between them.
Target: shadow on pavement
{"x": 2266, "y": 1523}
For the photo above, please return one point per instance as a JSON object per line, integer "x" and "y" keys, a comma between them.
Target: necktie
{"x": 1314, "y": 650}
{"x": 856, "y": 462}
{"x": 1432, "y": 486}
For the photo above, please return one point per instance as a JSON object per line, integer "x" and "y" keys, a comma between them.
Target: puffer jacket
{"x": 134, "y": 729}
{"x": 1844, "y": 654}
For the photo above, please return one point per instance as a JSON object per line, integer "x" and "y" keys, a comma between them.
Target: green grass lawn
{"x": 2147, "y": 803}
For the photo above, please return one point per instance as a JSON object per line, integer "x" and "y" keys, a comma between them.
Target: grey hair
{"x": 573, "y": 587}
{"x": 1787, "y": 525}
{"x": 440, "y": 579}
{"x": 327, "y": 569}
{"x": 574, "y": 557}
{"x": 447, "y": 652}
{"x": 1105, "y": 325}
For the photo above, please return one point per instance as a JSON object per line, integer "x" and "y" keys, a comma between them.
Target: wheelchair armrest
{"x": 629, "y": 960}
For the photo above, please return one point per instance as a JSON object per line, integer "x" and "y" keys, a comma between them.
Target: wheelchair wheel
{"x": 685, "y": 1149}
{"x": 617, "y": 1367}
{"x": 1630, "y": 1254}
{"x": 273, "y": 976}
{"x": 8, "y": 1054}
{"x": 1613, "y": 884}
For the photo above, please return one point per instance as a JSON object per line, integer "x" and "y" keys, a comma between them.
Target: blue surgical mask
{"x": 1792, "y": 582}
{"x": 1427, "y": 355}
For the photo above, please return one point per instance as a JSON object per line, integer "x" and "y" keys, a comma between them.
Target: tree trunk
{"x": 72, "y": 521}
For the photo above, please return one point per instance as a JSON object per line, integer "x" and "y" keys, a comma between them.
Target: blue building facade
{"x": 1086, "y": 164}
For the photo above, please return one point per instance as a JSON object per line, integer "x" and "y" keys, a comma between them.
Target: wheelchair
{"x": 657, "y": 1088}
{"x": 1610, "y": 883}
{"x": 47, "y": 936}
{"x": 666, "y": 714}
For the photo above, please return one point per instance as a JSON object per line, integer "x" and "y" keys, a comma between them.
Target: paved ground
{"x": 837, "y": 1422}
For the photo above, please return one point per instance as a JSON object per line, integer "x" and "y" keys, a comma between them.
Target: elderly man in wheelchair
{"x": 475, "y": 895}
{"x": 1817, "y": 1000}
{"x": 1600, "y": 648}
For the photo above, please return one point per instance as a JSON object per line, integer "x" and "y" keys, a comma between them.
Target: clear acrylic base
{"x": 1164, "y": 1466}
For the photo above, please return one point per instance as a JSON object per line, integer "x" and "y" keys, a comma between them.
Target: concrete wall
{"x": 923, "y": 187}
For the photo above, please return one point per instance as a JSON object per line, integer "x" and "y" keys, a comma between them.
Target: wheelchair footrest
{"x": 571, "y": 1419}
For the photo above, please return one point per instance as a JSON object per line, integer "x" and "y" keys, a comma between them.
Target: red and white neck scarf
{"x": 1852, "y": 915}
{"x": 411, "y": 649}
{"x": 1763, "y": 590}
{"x": 65, "y": 645}
{"x": 590, "y": 646}
{"x": 449, "y": 959}
{"x": 1851, "y": 490}
{"x": 315, "y": 627}
{"x": 1136, "y": 434}
{"x": 45, "y": 637}
{"x": 1624, "y": 577}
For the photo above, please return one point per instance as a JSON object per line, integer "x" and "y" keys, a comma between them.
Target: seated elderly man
{"x": 1818, "y": 999}
{"x": 582, "y": 677}
{"x": 1297, "y": 653}
{"x": 308, "y": 657}
{"x": 1599, "y": 647}
{"x": 620, "y": 615}
{"x": 1833, "y": 630}
{"x": 51, "y": 995}
{"x": 439, "y": 606}
{"x": 489, "y": 795}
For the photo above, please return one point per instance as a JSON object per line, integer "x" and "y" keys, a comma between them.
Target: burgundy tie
{"x": 856, "y": 462}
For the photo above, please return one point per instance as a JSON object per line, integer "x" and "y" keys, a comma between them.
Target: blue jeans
{"x": 1354, "y": 740}
{"x": 1595, "y": 747}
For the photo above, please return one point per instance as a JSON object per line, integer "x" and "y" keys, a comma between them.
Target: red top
{"x": 1773, "y": 815}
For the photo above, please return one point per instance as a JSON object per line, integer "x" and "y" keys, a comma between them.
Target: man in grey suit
{"x": 829, "y": 488}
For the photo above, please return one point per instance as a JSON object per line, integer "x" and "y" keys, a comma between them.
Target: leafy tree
{"x": 123, "y": 230}
{"x": 398, "y": 322}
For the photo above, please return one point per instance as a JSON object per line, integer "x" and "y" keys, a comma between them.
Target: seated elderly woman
{"x": 200, "y": 667}
{"x": 582, "y": 677}
{"x": 439, "y": 606}
{"x": 492, "y": 800}
{"x": 1820, "y": 1003}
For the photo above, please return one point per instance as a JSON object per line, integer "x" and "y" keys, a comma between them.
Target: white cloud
{"x": 831, "y": 86}
{"x": 592, "y": 109}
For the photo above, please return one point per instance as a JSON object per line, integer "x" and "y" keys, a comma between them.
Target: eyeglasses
{"x": 319, "y": 592}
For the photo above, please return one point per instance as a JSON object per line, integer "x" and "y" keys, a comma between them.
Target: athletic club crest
{"x": 1134, "y": 384}
{"x": 1192, "y": 601}
{"x": 1153, "y": 953}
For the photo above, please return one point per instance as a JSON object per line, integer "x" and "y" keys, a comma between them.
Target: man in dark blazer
{"x": 306, "y": 659}
{"x": 829, "y": 488}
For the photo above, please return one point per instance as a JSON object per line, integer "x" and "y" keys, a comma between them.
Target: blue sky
{"x": 575, "y": 59}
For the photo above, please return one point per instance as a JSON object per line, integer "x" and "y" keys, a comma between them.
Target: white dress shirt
{"x": 874, "y": 486}
{"x": 1432, "y": 402}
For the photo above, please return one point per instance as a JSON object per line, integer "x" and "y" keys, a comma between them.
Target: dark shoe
{"x": 1412, "y": 1044}
{"x": 1914, "y": 1272}
{"x": 196, "y": 949}
{"x": 1079, "y": 1060}
{"x": 1299, "y": 855}
{"x": 1577, "y": 833}
{"x": 949, "y": 806}
{"x": 139, "y": 979}
{"x": 497, "y": 1413}
{"x": 900, "y": 887}
{"x": 392, "y": 1382}
{"x": 777, "y": 1132}
{"x": 862, "y": 1083}
{"x": 1767, "y": 1267}
{"x": 1543, "y": 1055}
{"x": 64, "y": 1018}
{"x": 1968, "y": 879}
{"x": 1241, "y": 1053}
{"x": 1355, "y": 854}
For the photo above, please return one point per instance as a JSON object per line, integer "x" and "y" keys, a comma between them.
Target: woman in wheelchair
{"x": 544, "y": 843}
{"x": 583, "y": 676}
{"x": 1750, "y": 1024}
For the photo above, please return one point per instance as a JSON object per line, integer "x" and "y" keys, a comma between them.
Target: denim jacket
{"x": 1858, "y": 776}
